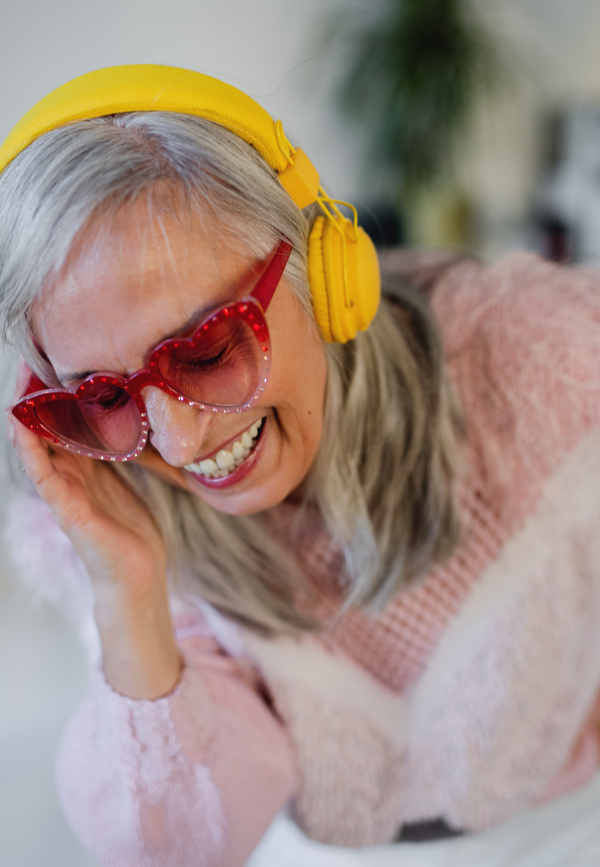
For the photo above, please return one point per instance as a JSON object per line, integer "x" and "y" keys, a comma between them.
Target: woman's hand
{"x": 124, "y": 554}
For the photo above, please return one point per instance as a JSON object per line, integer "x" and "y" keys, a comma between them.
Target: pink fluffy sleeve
{"x": 190, "y": 780}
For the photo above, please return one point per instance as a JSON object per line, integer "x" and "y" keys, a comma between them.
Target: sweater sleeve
{"x": 190, "y": 780}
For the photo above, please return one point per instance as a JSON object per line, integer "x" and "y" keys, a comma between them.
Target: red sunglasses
{"x": 222, "y": 367}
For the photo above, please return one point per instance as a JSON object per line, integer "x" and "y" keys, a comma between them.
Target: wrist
{"x": 141, "y": 658}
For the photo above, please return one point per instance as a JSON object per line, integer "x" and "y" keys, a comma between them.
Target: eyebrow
{"x": 199, "y": 314}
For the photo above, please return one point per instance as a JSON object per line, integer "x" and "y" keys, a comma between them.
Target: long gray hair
{"x": 382, "y": 482}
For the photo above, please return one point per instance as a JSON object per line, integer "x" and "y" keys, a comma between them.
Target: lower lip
{"x": 240, "y": 473}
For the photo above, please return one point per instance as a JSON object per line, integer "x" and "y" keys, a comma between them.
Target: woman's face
{"x": 144, "y": 281}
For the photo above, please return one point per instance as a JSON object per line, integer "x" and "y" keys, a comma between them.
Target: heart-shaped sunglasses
{"x": 222, "y": 367}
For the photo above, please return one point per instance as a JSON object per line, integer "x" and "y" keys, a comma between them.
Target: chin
{"x": 254, "y": 499}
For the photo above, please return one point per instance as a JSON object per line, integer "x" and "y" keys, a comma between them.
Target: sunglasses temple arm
{"x": 34, "y": 384}
{"x": 272, "y": 274}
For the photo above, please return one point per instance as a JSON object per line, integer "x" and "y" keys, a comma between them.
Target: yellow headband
{"x": 147, "y": 87}
{"x": 342, "y": 262}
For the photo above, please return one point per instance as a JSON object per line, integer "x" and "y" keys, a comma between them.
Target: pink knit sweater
{"x": 472, "y": 696}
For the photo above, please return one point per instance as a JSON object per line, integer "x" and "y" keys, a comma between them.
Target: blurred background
{"x": 466, "y": 124}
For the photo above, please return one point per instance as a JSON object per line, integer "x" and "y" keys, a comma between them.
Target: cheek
{"x": 315, "y": 388}
{"x": 315, "y": 415}
{"x": 303, "y": 394}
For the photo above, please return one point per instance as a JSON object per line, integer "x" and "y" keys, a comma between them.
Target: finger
{"x": 34, "y": 452}
{"x": 57, "y": 477}
{"x": 54, "y": 472}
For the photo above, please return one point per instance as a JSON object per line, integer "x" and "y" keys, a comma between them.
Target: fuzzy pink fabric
{"x": 191, "y": 779}
{"x": 470, "y": 697}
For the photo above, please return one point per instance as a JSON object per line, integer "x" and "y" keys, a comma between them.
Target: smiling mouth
{"x": 226, "y": 461}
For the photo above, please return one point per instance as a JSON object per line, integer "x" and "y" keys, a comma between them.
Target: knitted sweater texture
{"x": 472, "y": 696}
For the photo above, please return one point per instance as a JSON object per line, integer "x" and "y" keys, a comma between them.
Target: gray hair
{"x": 383, "y": 478}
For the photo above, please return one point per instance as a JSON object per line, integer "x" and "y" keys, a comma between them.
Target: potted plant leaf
{"x": 411, "y": 73}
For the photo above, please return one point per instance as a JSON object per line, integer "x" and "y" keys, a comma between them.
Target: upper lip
{"x": 227, "y": 443}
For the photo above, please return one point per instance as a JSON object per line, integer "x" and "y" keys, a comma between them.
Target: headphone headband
{"x": 342, "y": 262}
{"x": 150, "y": 87}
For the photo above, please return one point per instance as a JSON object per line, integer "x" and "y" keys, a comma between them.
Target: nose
{"x": 177, "y": 428}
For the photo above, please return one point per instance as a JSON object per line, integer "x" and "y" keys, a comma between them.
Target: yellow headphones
{"x": 342, "y": 263}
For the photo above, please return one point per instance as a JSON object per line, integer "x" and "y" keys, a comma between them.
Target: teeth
{"x": 237, "y": 450}
{"x": 227, "y": 460}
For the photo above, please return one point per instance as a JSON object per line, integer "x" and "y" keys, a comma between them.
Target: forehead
{"x": 129, "y": 284}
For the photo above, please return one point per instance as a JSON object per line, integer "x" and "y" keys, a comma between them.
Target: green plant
{"x": 411, "y": 72}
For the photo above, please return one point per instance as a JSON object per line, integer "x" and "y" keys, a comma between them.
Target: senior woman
{"x": 335, "y": 567}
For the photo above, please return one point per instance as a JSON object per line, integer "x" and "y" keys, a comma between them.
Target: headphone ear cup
{"x": 331, "y": 289}
{"x": 318, "y": 280}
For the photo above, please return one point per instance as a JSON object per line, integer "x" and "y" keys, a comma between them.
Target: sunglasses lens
{"x": 220, "y": 365}
{"x": 104, "y": 419}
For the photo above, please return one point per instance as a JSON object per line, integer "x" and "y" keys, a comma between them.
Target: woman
{"x": 286, "y": 611}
